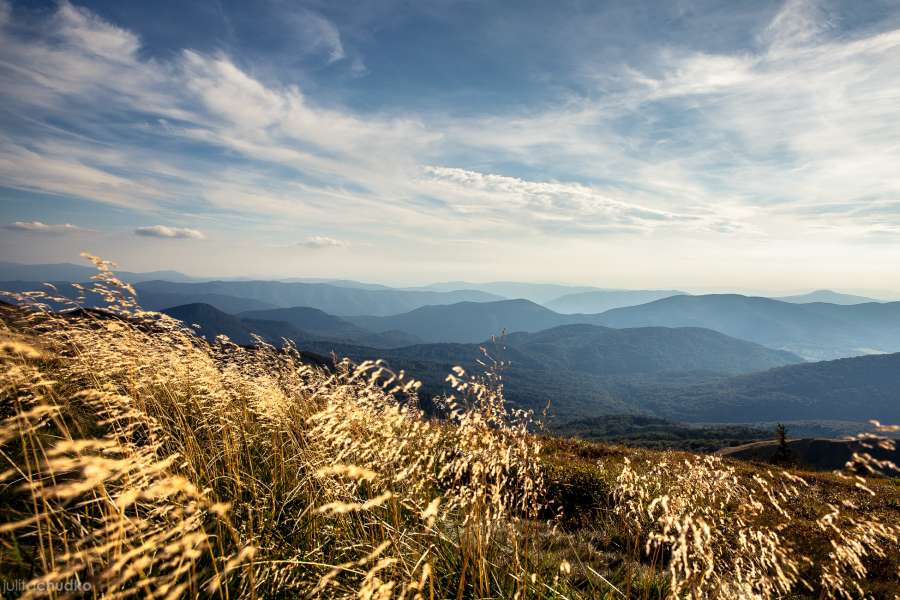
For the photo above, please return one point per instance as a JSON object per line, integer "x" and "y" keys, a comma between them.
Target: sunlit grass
{"x": 147, "y": 463}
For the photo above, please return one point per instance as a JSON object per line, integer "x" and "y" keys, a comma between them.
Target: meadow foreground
{"x": 142, "y": 461}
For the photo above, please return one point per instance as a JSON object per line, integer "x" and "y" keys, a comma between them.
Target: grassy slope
{"x": 581, "y": 476}
{"x": 251, "y": 431}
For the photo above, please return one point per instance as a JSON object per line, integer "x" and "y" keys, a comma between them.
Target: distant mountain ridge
{"x": 68, "y": 272}
{"x": 335, "y": 300}
{"x": 311, "y": 320}
{"x": 469, "y": 322}
{"x": 315, "y": 322}
{"x": 814, "y": 331}
{"x": 581, "y": 348}
{"x": 513, "y": 290}
{"x": 828, "y": 296}
{"x": 148, "y": 300}
{"x": 583, "y": 370}
{"x": 602, "y": 300}
{"x": 211, "y": 323}
{"x": 241, "y": 296}
{"x": 300, "y": 325}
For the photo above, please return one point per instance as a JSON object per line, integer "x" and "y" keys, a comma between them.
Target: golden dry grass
{"x": 147, "y": 463}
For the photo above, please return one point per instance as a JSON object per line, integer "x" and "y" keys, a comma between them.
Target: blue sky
{"x": 624, "y": 144}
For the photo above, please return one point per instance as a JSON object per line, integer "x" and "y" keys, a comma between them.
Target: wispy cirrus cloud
{"x": 543, "y": 205}
{"x": 44, "y": 228}
{"x": 162, "y": 231}
{"x": 166, "y": 116}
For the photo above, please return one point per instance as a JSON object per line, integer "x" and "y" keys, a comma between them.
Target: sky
{"x": 678, "y": 144}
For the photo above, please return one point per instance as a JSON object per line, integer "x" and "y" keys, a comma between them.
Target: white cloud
{"x": 320, "y": 241}
{"x": 162, "y": 231}
{"x": 83, "y": 29}
{"x": 543, "y": 205}
{"x": 50, "y": 169}
{"x": 46, "y": 228}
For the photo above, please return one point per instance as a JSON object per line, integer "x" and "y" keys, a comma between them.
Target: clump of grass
{"x": 722, "y": 534}
{"x": 706, "y": 522}
{"x": 142, "y": 458}
{"x": 143, "y": 461}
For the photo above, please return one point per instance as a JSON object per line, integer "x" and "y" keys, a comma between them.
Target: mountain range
{"x": 300, "y": 325}
{"x": 240, "y": 296}
{"x": 149, "y": 300}
{"x": 617, "y": 381}
{"x": 582, "y": 348}
{"x": 68, "y": 272}
{"x": 815, "y": 331}
{"x": 469, "y": 322}
{"x": 703, "y": 358}
{"x": 685, "y": 374}
{"x": 333, "y": 299}
{"x": 317, "y": 324}
{"x": 577, "y": 367}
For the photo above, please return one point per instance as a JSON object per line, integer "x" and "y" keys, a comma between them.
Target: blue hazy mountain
{"x": 319, "y": 323}
{"x": 617, "y": 377}
{"x": 536, "y": 292}
{"x": 828, "y": 296}
{"x": 149, "y": 300}
{"x": 349, "y": 283}
{"x": 607, "y": 351}
{"x": 208, "y": 322}
{"x": 10, "y": 271}
{"x": 598, "y": 301}
{"x": 300, "y": 325}
{"x": 604, "y": 351}
{"x": 814, "y": 331}
{"x": 333, "y": 299}
{"x": 470, "y": 322}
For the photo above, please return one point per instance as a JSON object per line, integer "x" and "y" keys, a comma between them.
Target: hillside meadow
{"x": 141, "y": 461}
